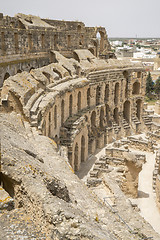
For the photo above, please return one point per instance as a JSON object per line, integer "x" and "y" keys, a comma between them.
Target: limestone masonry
{"x": 63, "y": 96}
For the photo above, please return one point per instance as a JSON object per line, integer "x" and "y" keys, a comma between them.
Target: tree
{"x": 157, "y": 87}
{"x": 149, "y": 85}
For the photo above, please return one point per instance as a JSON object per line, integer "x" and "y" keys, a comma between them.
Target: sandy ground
{"x": 146, "y": 201}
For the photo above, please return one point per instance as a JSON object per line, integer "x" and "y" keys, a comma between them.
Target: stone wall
{"x": 83, "y": 109}
{"x": 26, "y": 42}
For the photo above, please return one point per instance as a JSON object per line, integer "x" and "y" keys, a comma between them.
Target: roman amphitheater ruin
{"x": 80, "y": 150}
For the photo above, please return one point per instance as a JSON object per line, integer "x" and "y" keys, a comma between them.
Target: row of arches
{"x": 104, "y": 115}
{"x": 80, "y": 148}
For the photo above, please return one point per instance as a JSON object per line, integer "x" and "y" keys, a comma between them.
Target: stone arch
{"x": 115, "y": 115}
{"x": 62, "y": 112}
{"x": 93, "y": 119}
{"x": 88, "y": 97}
{"x": 101, "y": 122}
{"x": 55, "y": 116}
{"x": 79, "y": 101}
{"x": 106, "y": 94}
{"x": 70, "y": 105}
{"x": 82, "y": 149}
{"x": 7, "y": 75}
{"x": 48, "y": 76}
{"x": 100, "y": 37}
{"x": 127, "y": 110}
{"x": 76, "y": 159}
{"x": 81, "y": 40}
{"x": 98, "y": 95}
{"x": 116, "y": 93}
{"x": 126, "y": 76}
{"x": 58, "y": 72}
{"x": 139, "y": 74}
{"x": 136, "y": 88}
{"x": 79, "y": 28}
{"x": 139, "y": 108}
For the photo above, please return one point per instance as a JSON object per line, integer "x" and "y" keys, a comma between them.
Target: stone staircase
{"x": 125, "y": 124}
{"x": 147, "y": 120}
{"x": 136, "y": 120}
{"x": 70, "y": 128}
{"x": 101, "y": 165}
{"x": 116, "y": 127}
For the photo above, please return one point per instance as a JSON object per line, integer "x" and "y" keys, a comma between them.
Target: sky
{"x": 121, "y": 18}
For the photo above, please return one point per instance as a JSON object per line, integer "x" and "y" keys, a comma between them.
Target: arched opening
{"x": 79, "y": 101}
{"x": 98, "y": 95}
{"x": 76, "y": 157}
{"x": 126, "y": 111}
{"x": 106, "y": 94}
{"x": 101, "y": 122}
{"x": 139, "y": 108}
{"x": 82, "y": 149}
{"x": 70, "y": 105}
{"x": 16, "y": 42}
{"x": 43, "y": 40}
{"x": 31, "y": 68}
{"x": 93, "y": 119}
{"x": 49, "y": 124}
{"x": 19, "y": 71}
{"x": 126, "y": 76}
{"x": 79, "y": 28}
{"x": 56, "y": 71}
{"x": 138, "y": 74}
{"x": 3, "y": 43}
{"x": 116, "y": 116}
{"x": 100, "y": 37}
{"x": 116, "y": 93}
{"x": 136, "y": 88}
{"x": 91, "y": 50}
{"x": 75, "y": 56}
{"x": 55, "y": 117}
{"x": 62, "y": 112}
{"x": 30, "y": 43}
{"x": 68, "y": 40}
{"x": 81, "y": 40}
{"x": 55, "y": 41}
{"x": 7, "y": 75}
{"x": 48, "y": 76}
{"x": 88, "y": 97}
